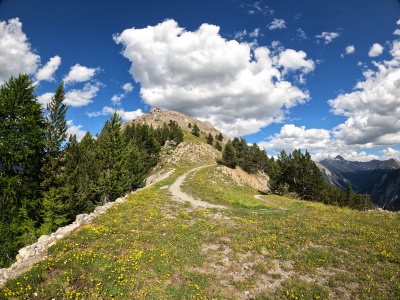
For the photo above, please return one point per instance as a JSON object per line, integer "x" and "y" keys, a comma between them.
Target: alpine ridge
{"x": 379, "y": 179}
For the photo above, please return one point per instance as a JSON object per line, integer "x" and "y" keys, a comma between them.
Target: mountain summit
{"x": 157, "y": 117}
{"x": 339, "y": 158}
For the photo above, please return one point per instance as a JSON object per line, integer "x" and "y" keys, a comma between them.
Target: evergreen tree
{"x": 219, "y": 137}
{"x": 229, "y": 156}
{"x": 82, "y": 168}
{"x": 52, "y": 171}
{"x": 129, "y": 134}
{"x": 217, "y": 145}
{"x": 56, "y": 124}
{"x": 133, "y": 168}
{"x": 176, "y": 133}
{"x": 110, "y": 149}
{"x": 210, "y": 139}
{"x": 146, "y": 141}
{"x": 305, "y": 178}
{"x": 163, "y": 134}
{"x": 242, "y": 154}
{"x": 53, "y": 211}
{"x": 22, "y": 142}
{"x": 195, "y": 130}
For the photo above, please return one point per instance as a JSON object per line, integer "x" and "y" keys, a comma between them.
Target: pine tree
{"x": 219, "y": 137}
{"x": 217, "y": 145}
{"x": 133, "y": 168}
{"x": 146, "y": 141}
{"x": 242, "y": 153}
{"x": 163, "y": 134}
{"x": 305, "y": 179}
{"x": 22, "y": 142}
{"x": 52, "y": 171}
{"x": 53, "y": 212}
{"x": 210, "y": 139}
{"x": 195, "y": 130}
{"x": 82, "y": 169}
{"x": 229, "y": 155}
{"x": 56, "y": 124}
{"x": 110, "y": 149}
{"x": 176, "y": 133}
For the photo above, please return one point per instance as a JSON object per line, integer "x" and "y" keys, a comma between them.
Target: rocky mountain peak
{"x": 157, "y": 117}
{"x": 339, "y": 158}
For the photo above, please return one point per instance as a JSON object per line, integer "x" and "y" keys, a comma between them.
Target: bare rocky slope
{"x": 157, "y": 117}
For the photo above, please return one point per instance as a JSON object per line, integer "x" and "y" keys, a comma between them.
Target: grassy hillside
{"x": 269, "y": 247}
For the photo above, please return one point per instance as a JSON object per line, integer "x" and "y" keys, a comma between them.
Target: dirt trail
{"x": 180, "y": 196}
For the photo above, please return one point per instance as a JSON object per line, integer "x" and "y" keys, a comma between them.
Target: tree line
{"x": 47, "y": 178}
{"x": 295, "y": 174}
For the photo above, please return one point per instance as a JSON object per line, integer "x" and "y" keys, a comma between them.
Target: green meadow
{"x": 269, "y": 247}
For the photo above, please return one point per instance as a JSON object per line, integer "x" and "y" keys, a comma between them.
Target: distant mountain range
{"x": 379, "y": 179}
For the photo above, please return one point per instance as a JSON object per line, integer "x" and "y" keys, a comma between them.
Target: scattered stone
{"x": 29, "y": 255}
{"x": 169, "y": 144}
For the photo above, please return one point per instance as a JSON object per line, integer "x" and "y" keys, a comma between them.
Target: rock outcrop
{"x": 157, "y": 117}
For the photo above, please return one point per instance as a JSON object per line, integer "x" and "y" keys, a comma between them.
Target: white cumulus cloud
{"x": 375, "y": 50}
{"x": 127, "y": 87}
{"x": 277, "y": 24}
{"x": 328, "y": 37}
{"x": 321, "y": 144}
{"x": 292, "y": 137}
{"x": 359, "y": 156}
{"x": 16, "y": 55}
{"x": 81, "y": 97}
{"x": 116, "y": 99}
{"x": 45, "y": 99}
{"x": 232, "y": 84}
{"x": 80, "y": 73}
{"x": 125, "y": 115}
{"x": 295, "y": 60}
{"x": 75, "y": 129}
{"x": 372, "y": 109}
{"x": 389, "y": 153}
{"x": 350, "y": 49}
{"x": 47, "y": 71}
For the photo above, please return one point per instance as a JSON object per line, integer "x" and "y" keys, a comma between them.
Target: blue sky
{"x": 312, "y": 74}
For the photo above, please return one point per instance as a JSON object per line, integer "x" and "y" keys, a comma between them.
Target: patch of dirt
{"x": 257, "y": 181}
{"x": 180, "y": 196}
{"x": 157, "y": 177}
{"x": 192, "y": 153}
